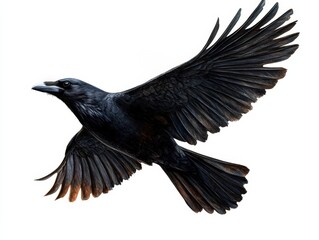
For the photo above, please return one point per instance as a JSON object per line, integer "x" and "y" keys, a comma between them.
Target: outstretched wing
{"x": 220, "y": 83}
{"x": 90, "y": 166}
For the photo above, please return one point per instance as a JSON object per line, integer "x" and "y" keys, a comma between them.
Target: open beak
{"x": 48, "y": 87}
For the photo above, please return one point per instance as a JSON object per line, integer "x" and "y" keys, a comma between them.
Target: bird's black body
{"x": 122, "y": 130}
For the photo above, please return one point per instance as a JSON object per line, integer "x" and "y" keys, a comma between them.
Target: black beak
{"x": 48, "y": 87}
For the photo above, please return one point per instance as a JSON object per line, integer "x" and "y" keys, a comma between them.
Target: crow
{"x": 124, "y": 129}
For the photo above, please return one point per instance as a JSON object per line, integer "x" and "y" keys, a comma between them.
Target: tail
{"x": 214, "y": 185}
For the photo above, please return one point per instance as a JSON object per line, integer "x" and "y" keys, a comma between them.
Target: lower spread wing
{"x": 90, "y": 166}
{"x": 220, "y": 83}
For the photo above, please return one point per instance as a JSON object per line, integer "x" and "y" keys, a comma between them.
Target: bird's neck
{"x": 89, "y": 112}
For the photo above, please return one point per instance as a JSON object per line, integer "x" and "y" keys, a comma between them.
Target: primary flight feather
{"x": 122, "y": 130}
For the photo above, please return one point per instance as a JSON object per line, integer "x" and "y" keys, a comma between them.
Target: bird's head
{"x": 70, "y": 89}
{"x": 78, "y": 95}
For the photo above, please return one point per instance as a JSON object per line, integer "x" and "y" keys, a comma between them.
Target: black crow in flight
{"x": 122, "y": 130}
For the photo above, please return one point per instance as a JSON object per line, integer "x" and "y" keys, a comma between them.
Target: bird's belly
{"x": 129, "y": 136}
{"x": 142, "y": 141}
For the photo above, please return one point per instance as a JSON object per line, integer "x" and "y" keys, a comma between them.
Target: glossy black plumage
{"x": 92, "y": 167}
{"x": 122, "y": 130}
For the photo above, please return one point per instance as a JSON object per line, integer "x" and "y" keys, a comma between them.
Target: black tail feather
{"x": 214, "y": 186}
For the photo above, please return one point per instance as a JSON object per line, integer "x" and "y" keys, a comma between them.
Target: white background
{"x": 116, "y": 45}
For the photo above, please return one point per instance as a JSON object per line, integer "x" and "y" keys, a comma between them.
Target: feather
{"x": 118, "y": 168}
{"x": 107, "y": 182}
{"x": 212, "y": 111}
{"x": 229, "y": 28}
{"x": 237, "y": 35}
{"x": 109, "y": 168}
{"x": 96, "y": 179}
{"x": 77, "y": 179}
{"x": 129, "y": 167}
{"x": 203, "y": 117}
{"x": 69, "y": 171}
{"x": 180, "y": 130}
{"x": 196, "y": 192}
{"x": 209, "y": 41}
{"x": 189, "y": 199}
{"x": 201, "y": 133}
{"x": 187, "y": 126}
{"x": 86, "y": 180}
{"x": 58, "y": 181}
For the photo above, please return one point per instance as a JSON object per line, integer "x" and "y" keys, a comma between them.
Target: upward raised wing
{"x": 220, "y": 83}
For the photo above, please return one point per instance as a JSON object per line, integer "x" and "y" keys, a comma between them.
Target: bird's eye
{"x": 66, "y": 84}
